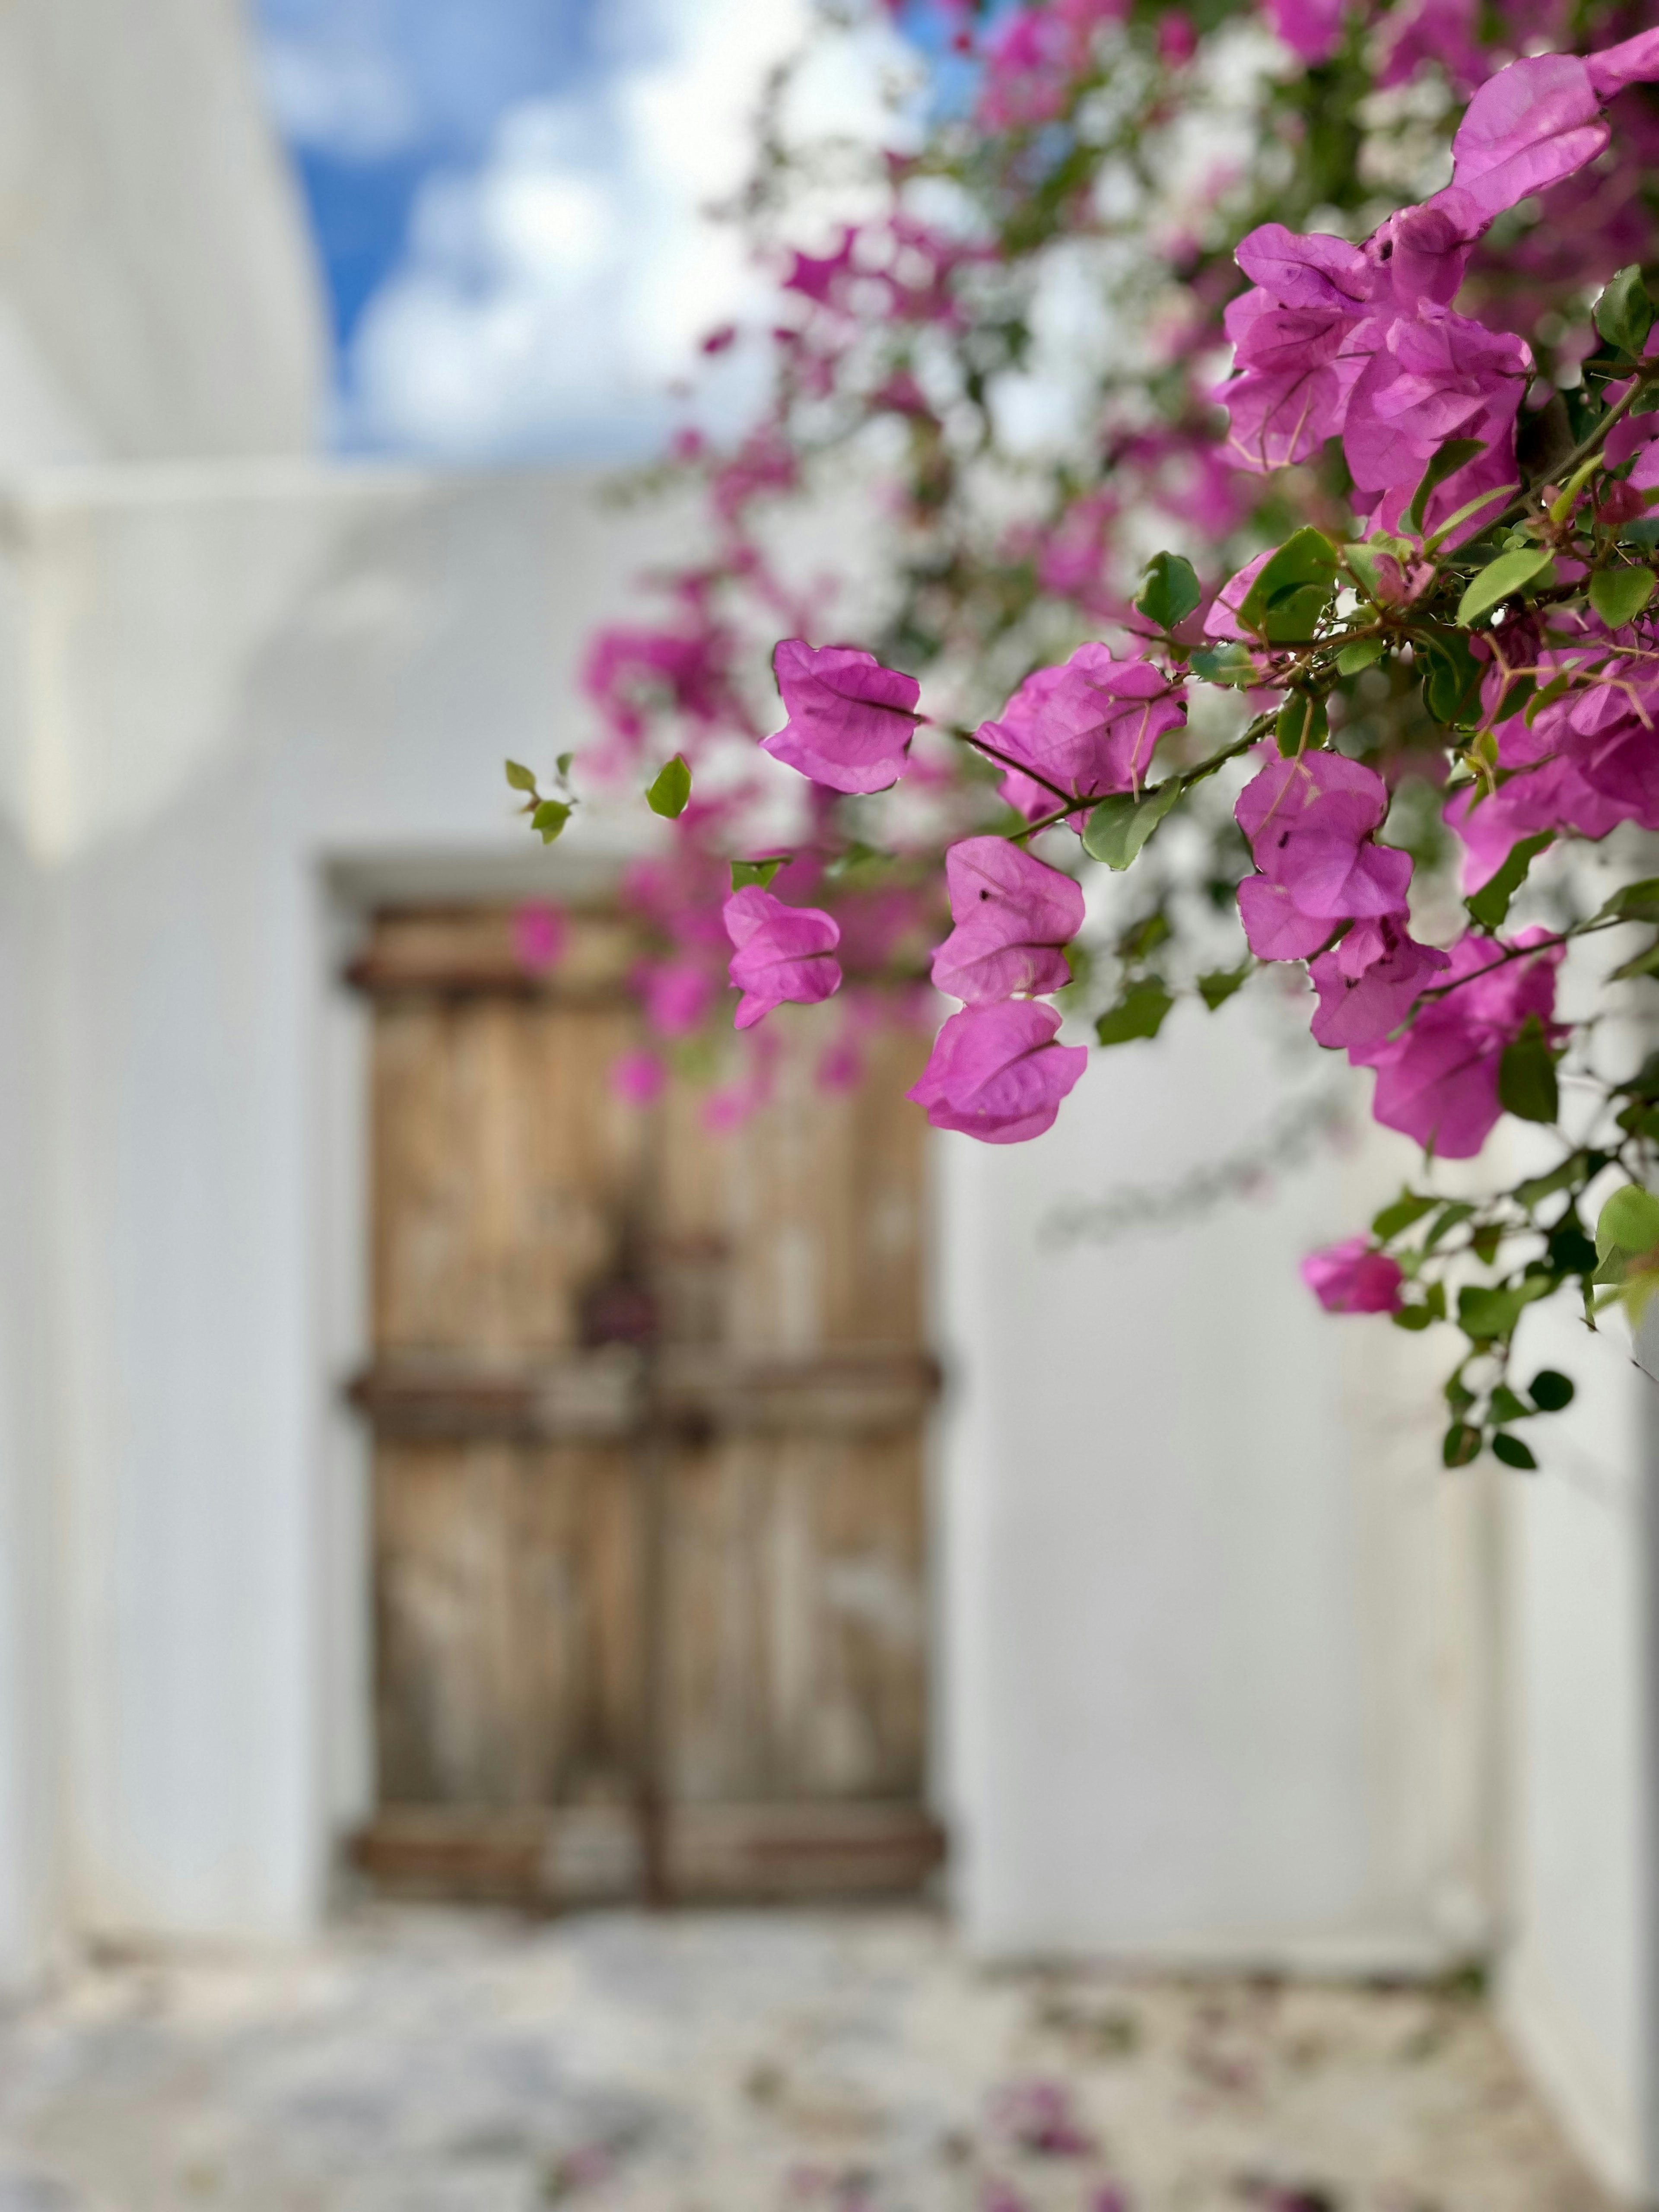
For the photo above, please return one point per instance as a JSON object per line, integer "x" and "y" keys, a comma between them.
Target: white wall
{"x": 157, "y": 298}
{"x": 1577, "y": 1988}
{"x": 156, "y": 293}
{"x": 1219, "y": 1653}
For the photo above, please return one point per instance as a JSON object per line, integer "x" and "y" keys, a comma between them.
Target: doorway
{"x": 649, "y": 1407}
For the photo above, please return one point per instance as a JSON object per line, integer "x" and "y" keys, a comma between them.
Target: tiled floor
{"x": 748, "y": 2062}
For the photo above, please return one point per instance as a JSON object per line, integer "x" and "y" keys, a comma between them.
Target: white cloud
{"x": 551, "y": 294}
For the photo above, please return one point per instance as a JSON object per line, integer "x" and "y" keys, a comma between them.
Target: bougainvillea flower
{"x": 676, "y": 994}
{"x": 1310, "y": 823}
{"x": 1310, "y": 28}
{"x": 1438, "y": 1081}
{"x": 1435, "y": 375}
{"x": 1293, "y": 370}
{"x": 851, "y": 720}
{"x": 1083, "y": 730}
{"x": 995, "y": 1073}
{"x": 540, "y": 935}
{"x": 1370, "y": 982}
{"x": 1350, "y": 1278}
{"x": 783, "y": 953}
{"x": 1632, "y": 61}
{"x": 1534, "y": 124}
{"x": 1012, "y": 915}
{"x": 1275, "y": 927}
{"x": 638, "y": 1077}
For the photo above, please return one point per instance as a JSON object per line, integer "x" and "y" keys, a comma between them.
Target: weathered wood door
{"x": 649, "y": 1407}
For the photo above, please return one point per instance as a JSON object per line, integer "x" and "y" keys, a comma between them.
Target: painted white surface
{"x": 156, "y": 293}
{"x": 156, "y": 299}
{"x": 1207, "y": 1656}
{"x": 1576, "y": 1989}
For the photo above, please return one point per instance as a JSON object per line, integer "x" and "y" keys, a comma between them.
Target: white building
{"x": 1226, "y": 1667}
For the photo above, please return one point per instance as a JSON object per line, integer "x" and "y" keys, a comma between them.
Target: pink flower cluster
{"x": 1327, "y": 892}
{"x": 1362, "y": 341}
{"x": 1585, "y": 761}
{"x": 1082, "y": 730}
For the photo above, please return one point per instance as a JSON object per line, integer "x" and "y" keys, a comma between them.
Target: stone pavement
{"x": 438, "y": 2061}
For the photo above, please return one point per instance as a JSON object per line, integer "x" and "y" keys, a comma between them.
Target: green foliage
{"x": 1303, "y": 721}
{"x": 1360, "y": 655}
{"x": 1139, "y": 1013}
{"x": 1491, "y": 903}
{"x": 1550, "y": 1390}
{"x": 1120, "y": 825}
{"x": 1619, "y": 595}
{"x": 1447, "y": 460}
{"x": 1512, "y": 1452}
{"x": 1485, "y": 1316}
{"x": 519, "y": 777}
{"x": 1216, "y": 988}
{"x": 1460, "y": 1444}
{"x": 549, "y": 817}
{"x": 1501, "y": 579}
{"x": 761, "y": 872}
{"x": 1527, "y": 1085}
{"x": 1637, "y": 901}
{"x": 1403, "y": 1213}
{"x": 1623, "y": 312}
{"x": 1286, "y": 602}
{"x": 1170, "y": 592}
{"x": 668, "y": 794}
{"x": 1451, "y": 676}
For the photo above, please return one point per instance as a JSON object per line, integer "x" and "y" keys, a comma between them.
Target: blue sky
{"x": 505, "y": 195}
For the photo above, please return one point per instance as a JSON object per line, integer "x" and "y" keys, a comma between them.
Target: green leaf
{"x": 1512, "y": 1452}
{"x": 1230, "y": 665}
{"x": 745, "y": 872}
{"x": 1550, "y": 1390}
{"x": 1412, "y": 1317}
{"x": 1637, "y": 901}
{"x": 1645, "y": 963}
{"x": 1571, "y": 1252}
{"x": 1526, "y": 1076}
{"x": 1623, "y": 313}
{"x": 1170, "y": 592}
{"x": 1405, "y": 1210}
{"x": 519, "y": 777}
{"x": 1121, "y": 825}
{"x": 1575, "y": 1170}
{"x": 1506, "y": 1406}
{"x": 1628, "y": 1225}
{"x": 1501, "y": 579}
{"x": 1459, "y": 1445}
{"x": 1484, "y": 1315}
{"x": 1139, "y": 1013}
{"x": 1216, "y": 988}
{"x": 1455, "y": 1211}
{"x": 1491, "y": 903}
{"x": 564, "y": 760}
{"x": 1451, "y": 676}
{"x": 1562, "y": 505}
{"x": 1302, "y": 722}
{"x": 1448, "y": 458}
{"x": 550, "y": 817}
{"x": 1619, "y": 595}
{"x": 668, "y": 795}
{"x": 1285, "y": 602}
{"x": 1360, "y": 654}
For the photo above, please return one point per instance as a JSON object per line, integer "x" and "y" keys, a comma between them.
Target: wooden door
{"x": 649, "y": 1407}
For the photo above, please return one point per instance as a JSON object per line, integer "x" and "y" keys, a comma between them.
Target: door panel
{"x": 649, "y": 1612}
